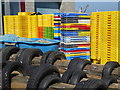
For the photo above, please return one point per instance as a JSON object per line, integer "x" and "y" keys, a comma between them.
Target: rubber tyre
{"x": 45, "y": 56}
{"x": 54, "y": 56}
{"x": 76, "y": 77}
{"x": 92, "y": 84}
{"x": 5, "y": 63}
{"x": 19, "y": 53}
{"x": 108, "y": 68}
{"x": 81, "y": 64}
{"x": 6, "y": 74}
{"x": 26, "y": 59}
{"x": 67, "y": 75}
{"x": 39, "y": 73}
{"x": 7, "y": 52}
{"x": 72, "y": 63}
{"x": 109, "y": 80}
{"x": 49, "y": 80}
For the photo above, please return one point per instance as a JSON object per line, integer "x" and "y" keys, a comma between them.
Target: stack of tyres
{"x": 57, "y": 23}
{"x": 75, "y": 35}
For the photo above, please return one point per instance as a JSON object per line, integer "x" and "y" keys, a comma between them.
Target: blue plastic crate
{"x": 73, "y": 34}
{"x": 56, "y": 23}
{"x": 57, "y": 27}
{"x": 56, "y": 31}
{"x": 69, "y": 49}
{"x": 53, "y": 46}
{"x": 83, "y": 57}
{"x": 57, "y": 38}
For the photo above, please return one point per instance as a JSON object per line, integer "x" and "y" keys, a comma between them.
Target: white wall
{"x": 1, "y": 28}
{"x": 29, "y": 6}
{"x": 67, "y": 6}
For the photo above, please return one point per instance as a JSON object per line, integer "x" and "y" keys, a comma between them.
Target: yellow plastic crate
{"x": 84, "y": 16}
{"x": 25, "y": 13}
{"x": 48, "y": 20}
{"x": 18, "y": 25}
{"x": 5, "y": 25}
{"x": 83, "y": 34}
{"x": 40, "y": 20}
{"x": 29, "y": 27}
{"x": 108, "y": 43}
{"x": 57, "y": 34}
{"x": 25, "y": 26}
{"x": 11, "y": 25}
{"x": 95, "y": 43}
{"x": 34, "y": 20}
{"x": 69, "y": 28}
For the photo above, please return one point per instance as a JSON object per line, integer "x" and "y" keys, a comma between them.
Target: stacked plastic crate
{"x": 105, "y": 35}
{"x": 18, "y": 25}
{"x": 32, "y": 26}
{"x": 40, "y": 26}
{"x": 57, "y": 22}
{"x": 48, "y": 24}
{"x": 24, "y": 24}
{"x": 75, "y": 39}
{"x": 9, "y": 25}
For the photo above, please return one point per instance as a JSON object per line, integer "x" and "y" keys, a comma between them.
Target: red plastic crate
{"x": 75, "y": 51}
{"x": 56, "y": 16}
{"x": 40, "y": 32}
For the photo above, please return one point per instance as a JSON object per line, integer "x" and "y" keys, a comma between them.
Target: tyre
{"x": 39, "y": 73}
{"x": 73, "y": 62}
{"x": 5, "y": 63}
{"x": 7, "y": 52}
{"x": 92, "y": 84}
{"x": 49, "y": 80}
{"x": 76, "y": 77}
{"x": 19, "y": 53}
{"x": 67, "y": 75}
{"x": 6, "y": 74}
{"x": 109, "y": 80}
{"x": 108, "y": 68}
{"x": 45, "y": 56}
{"x": 54, "y": 56}
{"x": 26, "y": 59}
{"x": 81, "y": 64}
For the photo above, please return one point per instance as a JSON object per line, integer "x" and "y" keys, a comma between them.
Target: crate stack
{"x": 75, "y": 39}
{"x": 57, "y": 22}
{"x": 48, "y": 24}
{"x": 105, "y": 35}
{"x": 9, "y": 25}
{"x": 18, "y": 25}
{"x": 40, "y": 26}
{"x": 24, "y": 22}
{"x": 32, "y": 26}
